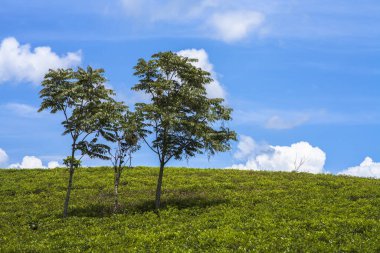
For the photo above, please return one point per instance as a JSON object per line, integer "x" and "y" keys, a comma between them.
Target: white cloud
{"x": 19, "y": 63}
{"x": 53, "y": 164}
{"x": 248, "y": 147}
{"x": 368, "y": 168}
{"x": 301, "y": 157}
{"x": 3, "y": 156}
{"x": 167, "y": 10}
{"x": 235, "y": 25}
{"x": 32, "y": 162}
{"x": 214, "y": 89}
{"x": 28, "y": 162}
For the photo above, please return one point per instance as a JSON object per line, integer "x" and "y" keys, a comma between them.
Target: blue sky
{"x": 302, "y": 76}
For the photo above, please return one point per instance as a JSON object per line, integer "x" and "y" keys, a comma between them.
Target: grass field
{"x": 204, "y": 211}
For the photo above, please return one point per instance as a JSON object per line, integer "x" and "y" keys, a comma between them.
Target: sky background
{"x": 303, "y": 77}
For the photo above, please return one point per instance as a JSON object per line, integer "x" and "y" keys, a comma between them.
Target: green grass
{"x": 204, "y": 211}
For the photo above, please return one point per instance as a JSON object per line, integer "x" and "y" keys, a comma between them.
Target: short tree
{"x": 85, "y": 103}
{"x": 123, "y": 131}
{"x": 181, "y": 120}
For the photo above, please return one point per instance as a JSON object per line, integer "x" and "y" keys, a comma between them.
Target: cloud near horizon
{"x": 32, "y": 162}
{"x": 3, "y": 156}
{"x": 368, "y": 168}
{"x": 21, "y": 63}
{"x": 300, "y": 157}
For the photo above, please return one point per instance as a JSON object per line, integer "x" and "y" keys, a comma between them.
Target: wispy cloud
{"x": 211, "y": 18}
{"x": 274, "y": 119}
{"x": 168, "y": 10}
{"x": 236, "y": 20}
{"x": 235, "y": 25}
{"x": 22, "y": 110}
{"x": 288, "y": 119}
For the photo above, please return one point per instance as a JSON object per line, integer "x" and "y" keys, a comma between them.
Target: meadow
{"x": 204, "y": 210}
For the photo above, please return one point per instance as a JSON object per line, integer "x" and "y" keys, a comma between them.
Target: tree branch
{"x": 149, "y": 145}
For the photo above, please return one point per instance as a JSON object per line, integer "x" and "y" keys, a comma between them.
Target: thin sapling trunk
{"x": 116, "y": 187}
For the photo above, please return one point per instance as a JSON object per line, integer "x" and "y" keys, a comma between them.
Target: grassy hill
{"x": 205, "y": 210}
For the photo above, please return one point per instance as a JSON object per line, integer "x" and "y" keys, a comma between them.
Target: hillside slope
{"x": 205, "y": 210}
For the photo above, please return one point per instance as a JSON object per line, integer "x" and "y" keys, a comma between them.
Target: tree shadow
{"x": 106, "y": 210}
{"x": 92, "y": 211}
{"x": 178, "y": 203}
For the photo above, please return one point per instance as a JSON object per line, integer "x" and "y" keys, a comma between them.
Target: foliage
{"x": 71, "y": 161}
{"x": 85, "y": 103}
{"x": 123, "y": 130}
{"x": 204, "y": 211}
{"x": 181, "y": 119}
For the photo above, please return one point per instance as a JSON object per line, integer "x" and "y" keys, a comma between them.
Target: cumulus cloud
{"x": 368, "y": 168}
{"x": 53, "y": 164}
{"x": 3, "y": 156}
{"x": 32, "y": 162}
{"x": 28, "y": 162}
{"x": 21, "y": 63}
{"x": 235, "y": 25}
{"x": 301, "y": 157}
{"x": 248, "y": 147}
{"x": 214, "y": 89}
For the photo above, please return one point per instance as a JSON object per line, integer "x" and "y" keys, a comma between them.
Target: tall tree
{"x": 123, "y": 131}
{"x": 85, "y": 103}
{"x": 180, "y": 119}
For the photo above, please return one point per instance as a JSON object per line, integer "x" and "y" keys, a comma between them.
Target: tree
{"x": 124, "y": 131}
{"x": 181, "y": 120}
{"x": 85, "y": 103}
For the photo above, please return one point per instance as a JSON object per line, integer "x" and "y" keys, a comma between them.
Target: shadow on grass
{"x": 178, "y": 203}
{"x": 94, "y": 210}
{"x": 103, "y": 210}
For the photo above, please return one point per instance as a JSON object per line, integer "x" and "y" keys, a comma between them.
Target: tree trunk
{"x": 116, "y": 187}
{"x": 159, "y": 185}
{"x": 66, "y": 205}
{"x": 67, "y": 199}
